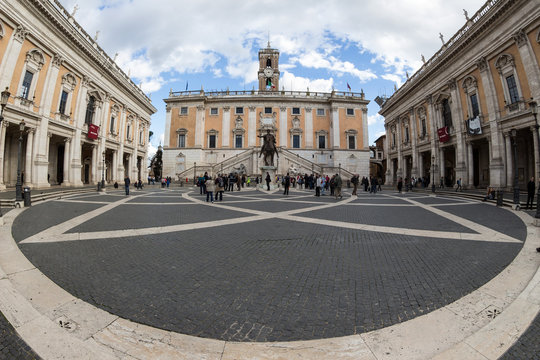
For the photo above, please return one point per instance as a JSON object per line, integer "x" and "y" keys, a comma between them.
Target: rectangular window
{"x": 238, "y": 141}
{"x": 128, "y": 130}
{"x": 512, "y": 89}
{"x": 474, "y": 105}
{"x": 406, "y": 135}
{"x": 350, "y": 112}
{"x": 295, "y": 111}
{"x": 296, "y": 141}
{"x": 352, "y": 142}
{"x": 322, "y": 142}
{"x": 212, "y": 141}
{"x": 320, "y": 112}
{"x": 424, "y": 129}
{"x": 267, "y": 110}
{"x": 89, "y": 111}
{"x": 63, "y": 102}
{"x": 27, "y": 82}
{"x": 183, "y": 110}
{"x": 213, "y": 111}
{"x": 111, "y": 128}
{"x": 141, "y": 137}
{"x": 239, "y": 110}
{"x": 182, "y": 140}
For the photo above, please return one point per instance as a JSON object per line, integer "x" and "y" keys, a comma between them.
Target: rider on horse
{"x": 268, "y": 148}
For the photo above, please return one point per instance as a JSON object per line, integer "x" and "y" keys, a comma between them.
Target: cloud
{"x": 199, "y": 36}
{"x": 375, "y": 119}
{"x": 393, "y": 78}
{"x": 297, "y": 83}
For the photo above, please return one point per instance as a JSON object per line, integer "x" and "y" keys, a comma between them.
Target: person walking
{"x": 210, "y": 188}
{"x": 318, "y": 185}
{"x": 268, "y": 181}
{"x": 354, "y": 181}
{"x": 286, "y": 184}
{"x": 338, "y": 183}
{"x": 458, "y": 187}
{"x": 530, "y": 193}
{"x": 374, "y": 185}
{"x": 126, "y": 184}
{"x": 400, "y": 184}
{"x": 220, "y": 187}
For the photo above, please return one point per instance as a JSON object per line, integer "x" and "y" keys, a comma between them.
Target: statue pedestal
{"x": 272, "y": 171}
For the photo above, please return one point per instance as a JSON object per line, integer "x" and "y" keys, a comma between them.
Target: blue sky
{"x": 370, "y": 44}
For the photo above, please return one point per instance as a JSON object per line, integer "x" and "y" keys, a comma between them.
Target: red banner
{"x": 93, "y": 131}
{"x": 443, "y": 134}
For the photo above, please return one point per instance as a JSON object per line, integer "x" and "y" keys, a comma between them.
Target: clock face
{"x": 268, "y": 72}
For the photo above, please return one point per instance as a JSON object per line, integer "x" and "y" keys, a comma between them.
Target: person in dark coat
{"x": 126, "y": 184}
{"x": 268, "y": 181}
{"x": 400, "y": 184}
{"x": 530, "y": 193}
{"x": 286, "y": 184}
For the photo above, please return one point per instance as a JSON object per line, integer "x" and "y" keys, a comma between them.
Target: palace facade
{"x": 461, "y": 114}
{"x": 84, "y": 118}
{"x": 219, "y": 131}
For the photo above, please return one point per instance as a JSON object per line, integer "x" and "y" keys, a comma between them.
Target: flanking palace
{"x": 219, "y": 132}
{"x": 76, "y": 116}
{"x": 469, "y": 112}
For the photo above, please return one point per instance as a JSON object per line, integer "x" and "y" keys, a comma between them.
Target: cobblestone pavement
{"x": 11, "y": 345}
{"x": 266, "y": 267}
{"x": 527, "y": 347}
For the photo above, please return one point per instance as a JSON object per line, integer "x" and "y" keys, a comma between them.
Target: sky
{"x": 372, "y": 45}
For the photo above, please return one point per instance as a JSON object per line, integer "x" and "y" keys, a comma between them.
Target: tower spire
{"x": 268, "y": 39}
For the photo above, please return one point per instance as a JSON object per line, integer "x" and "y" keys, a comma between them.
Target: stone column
{"x": 509, "y": 160}
{"x": 458, "y": 123}
{"x": 114, "y": 175}
{"x": 365, "y": 137}
{"x": 399, "y": 150}
{"x": 28, "y": 157}
{"x": 49, "y": 86}
{"x": 532, "y": 69}
{"x": 3, "y": 129}
{"x": 199, "y": 126}
{"x": 225, "y": 126}
{"x": 11, "y": 55}
{"x": 94, "y": 174}
{"x": 413, "y": 137}
{"x": 420, "y": 164}
{"x": 441, "y": 166}
{"x": 282, "y": 126}
{"x": 470, "y": 172}
{"x": 388, "y": 174}
{"x": 252, "y": 128}
{"x": 66, "y": 181}
{"x": 167, "y": 135}
{"x": 334, "y": 120}
{"x": 434, "y": 139}
{"x": 536, "y": 157}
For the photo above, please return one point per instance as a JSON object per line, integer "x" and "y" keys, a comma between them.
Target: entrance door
{"x": 476, "y": 167}
{"x": 60, "y": 164}
{"x": 87, "y": 173}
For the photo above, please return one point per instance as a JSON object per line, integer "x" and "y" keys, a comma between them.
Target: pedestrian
{"x": 374, "y": 184}
{"x": 318, "y": 185}
{"x": 442, "y": 182}
{"x": 286, "y": 184}
{"x": 126, "y": 184}
{"x": 220, "y": 187}
{"x": 530, "y": 193}
{"x": 400, "y": 185}
{"x": 338, "y": 183}
{"x": 379, "y": 183}
{"x": 210, "y": 188}
{"x": 268, "y": 181}
{"x": 238, "y": 180}
{"x": 140, "y": 184}
{"x": 332, "y": 185}
{"x": 490, "y": 194}
{"x": 354, "y": 181}
{"x": 231, "y": 182}
{"x": 458, "y": 187}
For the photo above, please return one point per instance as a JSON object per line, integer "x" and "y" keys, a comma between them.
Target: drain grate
{"x": 67, "y": 324}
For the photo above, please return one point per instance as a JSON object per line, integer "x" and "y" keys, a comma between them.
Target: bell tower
{"x": 268, "y": 69}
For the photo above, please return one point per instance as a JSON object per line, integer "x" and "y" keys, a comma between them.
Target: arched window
{"x": 268, "y": 62}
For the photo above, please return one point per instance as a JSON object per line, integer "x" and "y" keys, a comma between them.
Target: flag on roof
{"x": 349, "y": 86}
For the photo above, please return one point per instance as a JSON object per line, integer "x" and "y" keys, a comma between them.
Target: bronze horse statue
{"x": 268, "y": 148}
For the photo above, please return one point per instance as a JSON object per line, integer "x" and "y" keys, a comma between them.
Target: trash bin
{"x": 500, "y": 198}
{"x": 27, "y": 196}
{"x": 99, "y": 186}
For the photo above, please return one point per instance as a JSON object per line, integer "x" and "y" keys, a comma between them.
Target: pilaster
{"x": 283, "y": 126}
{"x": 252, "y": 126}
{"x": 308, "y": 134}
{"x": 225, "y": 126}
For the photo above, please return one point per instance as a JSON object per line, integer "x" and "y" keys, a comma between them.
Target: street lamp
{"x": 534, "y": 109}
{"x": 194, "y": 173}
{"x": 432, "y": 173}
{"x": 103, "y": 173}
{"x": 18, "y": 186}
{"x": 513, "y": 133}
{"x": 339, "y": 169}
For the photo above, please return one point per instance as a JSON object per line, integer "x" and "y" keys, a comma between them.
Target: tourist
{"x": 530, "y": 194}
{"x": 458, "y": 187}
{"x": 126, "y": 184}
{"x": 374, "y": 185}
{"x": 400, "y": 184}
{"x": 338, "y": 184}
{"x": 324, "y": 184}
{"x": 268, "y": 181}
{"x": 318, "y": 185}
{"x": 220, "y": 187}
{"x": 490, "y": 194}
{"x": 354, "y": 181}
{"x": 232, "y": 180}
{"x": 286, "y": 184}
{"x": 210, "y": 187}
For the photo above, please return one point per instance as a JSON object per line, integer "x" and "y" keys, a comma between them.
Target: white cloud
{"x": 179, "y": 37}
{"x": 298, "y": 83}
{"x": 375, "y": 119}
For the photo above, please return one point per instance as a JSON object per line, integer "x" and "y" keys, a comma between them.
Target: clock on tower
{"x": 268, "y": 69}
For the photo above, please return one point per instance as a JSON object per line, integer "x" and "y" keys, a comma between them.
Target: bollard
{"x": 500, "y": 198}
{"x": 27, "y": 196}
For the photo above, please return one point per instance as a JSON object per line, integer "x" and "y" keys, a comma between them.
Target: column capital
{"x": 482, "y": 64}
{"x": 520, "y": 38}
{"x": 20, "y": 33}
{"x": 252, "y": 108}
{"x": 308, "y": 109}
{"x": 283, "y": 108}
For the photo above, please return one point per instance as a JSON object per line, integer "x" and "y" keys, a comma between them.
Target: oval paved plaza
{"x": 267, "y": 267}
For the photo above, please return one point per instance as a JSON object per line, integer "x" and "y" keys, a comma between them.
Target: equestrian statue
{"x": 268, "y": 148}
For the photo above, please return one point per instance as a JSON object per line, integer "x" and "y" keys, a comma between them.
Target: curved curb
{"x": 483, "y": 324}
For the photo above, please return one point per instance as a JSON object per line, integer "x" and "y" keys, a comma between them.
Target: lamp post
{"x": 534, "y": 109}
{"x": 339, "y": 169}
{"x": 18, "y": 186}
{"x": 103, "y": 173}
{"x": 432, "y": 173}
{"x": 194, "y": 173}
{"x": 513, "y": 134}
